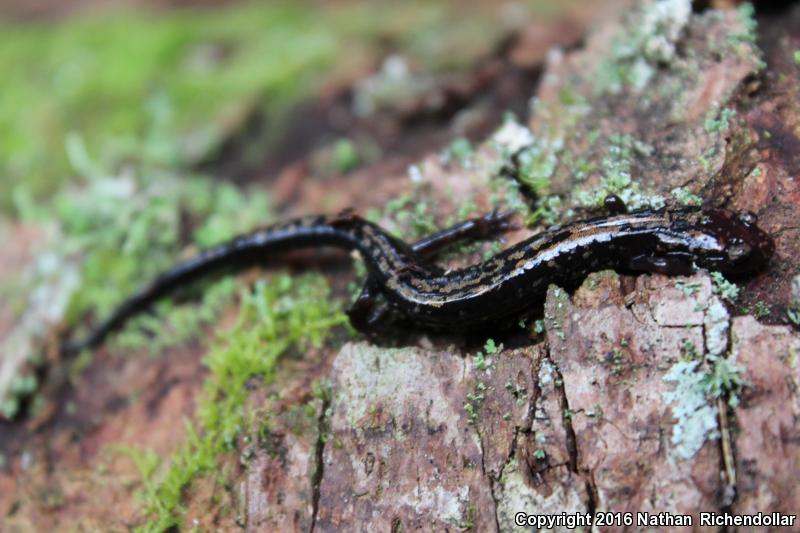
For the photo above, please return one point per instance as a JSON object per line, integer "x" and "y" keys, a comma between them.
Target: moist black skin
{"x": 496, "y": 292}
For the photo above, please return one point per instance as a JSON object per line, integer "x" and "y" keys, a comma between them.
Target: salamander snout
{"x": 742, "y": 247}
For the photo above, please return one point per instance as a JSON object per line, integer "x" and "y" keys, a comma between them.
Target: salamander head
{"x": 730, "y": 242}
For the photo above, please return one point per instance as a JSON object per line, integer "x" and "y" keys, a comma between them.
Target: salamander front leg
{"x": 670, "y": 265}
{"x": 614, "y": 205}
{"x": 489, "y": 226}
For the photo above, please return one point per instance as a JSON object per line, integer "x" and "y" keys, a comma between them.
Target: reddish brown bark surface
{"x": 596, "y": 412}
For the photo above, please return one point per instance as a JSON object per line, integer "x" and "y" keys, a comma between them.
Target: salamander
{"x": 496, "y": 291}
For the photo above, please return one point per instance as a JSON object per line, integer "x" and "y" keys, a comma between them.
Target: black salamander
{"x": 503, "y": 288}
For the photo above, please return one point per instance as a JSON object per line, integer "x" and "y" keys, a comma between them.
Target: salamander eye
{"x": 739, "y": 251}
{"x": 748, "y": 217}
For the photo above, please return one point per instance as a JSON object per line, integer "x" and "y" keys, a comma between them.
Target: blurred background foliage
{"x": 104, "y": 73}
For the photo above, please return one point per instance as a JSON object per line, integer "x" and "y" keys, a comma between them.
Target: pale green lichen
{"x": 688, "y": 289}
{"x": 127, "y": 224}
{"x": 793, "y": 312}
{"x": 511, "y": 136}
{"x": 696, "y": 418}
{"x": 685, "y": 197}
{"x": 718, "y": 121}
{"x": 537, "y": 157}
{"x": 547, "y": 373}
{"x": 749, "y": 34}
{"x": 716, "y": 326}
{"x": 50, "y": 283}
{"x": 460, "y": 151}
{"x": 744, "y": 42}
{"x": 724, "y": 288}
{"x": 693, "y": 400}
{"x": 648, "y": 42}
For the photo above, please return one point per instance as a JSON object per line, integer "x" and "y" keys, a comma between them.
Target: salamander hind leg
{"x": 368, "y": 314}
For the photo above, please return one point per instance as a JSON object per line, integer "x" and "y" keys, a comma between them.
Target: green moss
{"x": 760, "y": 310}
{"x": 345, "y": 156}
{"x": 475, "y": 398}
{"x": 491, "y": 347}
{"x": 279, "y": 315}
{"x": 724, "y": 380}
{"x": 24, "y": 384}
{"x": 796, "y": 56}
{"x": 537, "y": 163}
{"x": 505, "y": 193}
{"x": 417, "y": 216}
{"x": 689, "y": 351}
{"x": 480, "y": 362}
{"x": 548, "y": 211}
{"x": 174, "y": 324}
{"x": 536, "y": 159}
{"x": 471, "y": 410}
